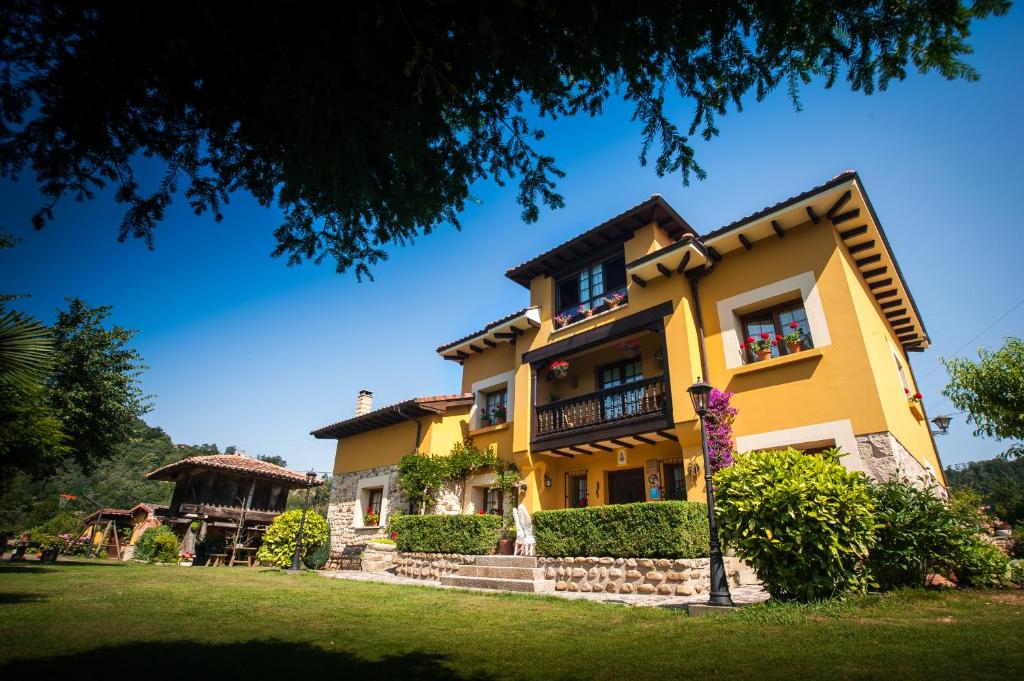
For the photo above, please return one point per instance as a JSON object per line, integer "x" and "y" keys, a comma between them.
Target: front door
{"x": 626, "y": 487}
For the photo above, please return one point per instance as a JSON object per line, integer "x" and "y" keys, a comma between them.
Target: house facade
{"x": 585, "y": 388}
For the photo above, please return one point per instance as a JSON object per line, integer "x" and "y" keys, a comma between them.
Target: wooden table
{"x": 242, "y": 554}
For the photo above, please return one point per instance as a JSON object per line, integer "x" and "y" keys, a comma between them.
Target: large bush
{"x": 63, "y": 522}
{"x": 979, "y": 563}
{"x": 318, "y": 557}
{"x": 665, "y": 529}
{"x": 279, "y": 541}
{"x": 916, "y": 534}
{"x": 466, "y": 534}
{"x": 157, "y": 545}
{"x": 802, "y": 521}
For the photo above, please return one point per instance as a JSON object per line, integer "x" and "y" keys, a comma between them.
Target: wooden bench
{"x": 215, "y": 559}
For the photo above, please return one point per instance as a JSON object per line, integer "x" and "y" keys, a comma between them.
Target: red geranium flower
{"x": 750, "y": 339}
{"x": 775, "y": 342}
{"x": 764, "y": 335}
{"x": 917, "y": 396}
{"x": 778, "y": 336}
{"x": 906, "y": 391}
{"x": 793, "y": 325}
{"x": 743, "y": 346}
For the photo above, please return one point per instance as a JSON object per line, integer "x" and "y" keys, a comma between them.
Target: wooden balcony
{"x": 613, "y": 412}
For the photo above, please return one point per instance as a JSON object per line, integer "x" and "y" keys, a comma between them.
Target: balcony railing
{"x": 610, "y": 406}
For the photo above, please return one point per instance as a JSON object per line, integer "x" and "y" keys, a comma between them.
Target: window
{"x": 674, "y": 479}
{"x": 777, "y": 321}
{"x": 621, "y": 402}
{"x": 584, "y": 291}
{"x": 374, "y": 500}
{"x": 576, "y": 489}
{"x": 496, "y": 404}
{"x": 901, "y": 370}
{"x": 492, "y": 501}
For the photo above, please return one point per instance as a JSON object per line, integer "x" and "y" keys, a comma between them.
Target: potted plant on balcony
{"x": 558, "y": 369}
{"x": 615, "y": 299}
{"x": 370, "y": 517}
{"x": 794, "y": 340}
{"x": 914, "y": 402}
{"x": 485, "y": 418}
{"x": 498, "y": 414}
{"x": 629, "y": 348}
{"x": 561, "y": 320}
{"x": 761, "y": 347}
{"x": 506, "y": 481}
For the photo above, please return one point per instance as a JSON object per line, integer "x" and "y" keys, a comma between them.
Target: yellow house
{"x": 592, "y": 374}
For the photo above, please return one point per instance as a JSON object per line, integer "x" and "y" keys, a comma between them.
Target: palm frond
{"x": 26, "y": 350}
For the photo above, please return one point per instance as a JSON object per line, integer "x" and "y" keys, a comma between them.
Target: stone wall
{"x": 430, "y": 565}
{"x": 449, "y": 500}
{"x": 344, "y": 505}
{"x": 884, "y": 458}
{"x": 661, "y": 576}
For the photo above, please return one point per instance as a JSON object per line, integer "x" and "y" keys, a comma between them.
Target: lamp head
{"x": 942, "y": 423}
{"x": 700, "y": 393}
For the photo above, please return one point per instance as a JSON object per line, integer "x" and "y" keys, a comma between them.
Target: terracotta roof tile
{"x": 230, "y": 462}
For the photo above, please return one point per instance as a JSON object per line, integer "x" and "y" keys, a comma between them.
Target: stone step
{"x": 498, "y": 584}
{"x": 501, "y": 572}
{"x": 507, "y": 561}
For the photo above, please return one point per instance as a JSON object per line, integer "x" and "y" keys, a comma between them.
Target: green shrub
{"x": 659, "y": 529}
{"x": 318, "y": 557}
{"x": 279, "y": 541}
{"x": 802, "y": 521}
{"x": 466, "y": 534}
{"x": 61, "y": 523}
{"x": 1017, "y": 573}
{"x": 916, "y": 534}
{"x": 979, "y": 563}
{"x": 157, "y": 545}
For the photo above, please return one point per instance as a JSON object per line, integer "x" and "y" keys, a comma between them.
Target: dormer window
{"x": 592, "y": 289}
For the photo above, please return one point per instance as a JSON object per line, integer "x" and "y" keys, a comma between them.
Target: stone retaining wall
{"x": 660, "y": 576}
{"x": 430, "y": 565}
{"x": 651, "y": 576}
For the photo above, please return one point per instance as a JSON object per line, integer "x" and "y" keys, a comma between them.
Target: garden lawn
{"x": 103, "y": 619}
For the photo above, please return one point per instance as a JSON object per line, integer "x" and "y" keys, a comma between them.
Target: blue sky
{"x": 244, "y": 350}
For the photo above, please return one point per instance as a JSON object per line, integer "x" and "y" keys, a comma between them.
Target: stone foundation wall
{"x": 343, "y": 507}
{"x": 884, "y": 458}
{"x": 661, "y": 576}
{"x": 430, "y": 565}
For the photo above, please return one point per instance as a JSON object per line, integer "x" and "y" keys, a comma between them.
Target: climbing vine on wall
{"x": 421, "y": 476}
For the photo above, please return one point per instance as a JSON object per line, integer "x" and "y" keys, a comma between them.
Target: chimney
{"x": 364, "y": 402}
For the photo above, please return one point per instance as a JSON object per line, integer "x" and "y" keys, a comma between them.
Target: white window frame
{"x": 474, "y": 499}
{"x": 901, "y": 368}
{"x": 730, "y": 310}
{"x": 506, "y": 380}
{"x": 363, "y": 488}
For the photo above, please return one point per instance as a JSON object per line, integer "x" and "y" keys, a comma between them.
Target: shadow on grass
{"x": 38, "y": 566}
{"x": 267, "y": 659}
{"x": 15, "y": 598}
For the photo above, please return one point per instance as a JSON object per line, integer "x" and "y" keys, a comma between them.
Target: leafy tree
{"x": 26, "y": 350}
{"x": 231, "y": 449}
{"x": 991, "y": 392}
{"x": 1000, "y": 484}
{"x": 368, "y": 122}
{"x": 269, "y": 458}
{"x": 94, "y": 386}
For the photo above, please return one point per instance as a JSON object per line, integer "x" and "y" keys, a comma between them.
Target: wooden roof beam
{"x": 665, "y": 272}
{"x": 684, "y": 262}
{"x": 840, "y": 202}
{"x": 746, "y": 242}
{"x": 778, "y": 229}
{"x": 638, "y": 281}
{"x": 844, "y": 217}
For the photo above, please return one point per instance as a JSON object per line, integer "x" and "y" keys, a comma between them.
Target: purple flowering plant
{"x": 719, "y": 419}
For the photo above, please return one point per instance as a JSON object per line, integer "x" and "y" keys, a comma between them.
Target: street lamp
{"x": 942, "y": 423}
{"x": 310, "y": 481}
{"x": 700, "y": 393}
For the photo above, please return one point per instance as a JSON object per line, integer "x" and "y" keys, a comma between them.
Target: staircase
{"x": 501, "y": 573}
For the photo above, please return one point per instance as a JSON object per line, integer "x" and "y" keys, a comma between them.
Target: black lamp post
{"x": 310, "y": 479}
{"x": 942, "y": 423}
{"x": 700, "y": 392}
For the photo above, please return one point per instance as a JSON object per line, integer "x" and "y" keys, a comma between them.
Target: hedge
{"x": 466, "y": 534}
{"x": 656, "y": 529}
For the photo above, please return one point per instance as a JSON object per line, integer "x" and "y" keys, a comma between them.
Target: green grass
{"x": 86, "y": 620}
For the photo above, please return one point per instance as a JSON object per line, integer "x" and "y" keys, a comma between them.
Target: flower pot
{"x": 793, "y": 348}
{"x": 506, "y": 547}
{"x": 762, "y": 355}
{"x": 498, "y": 420}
